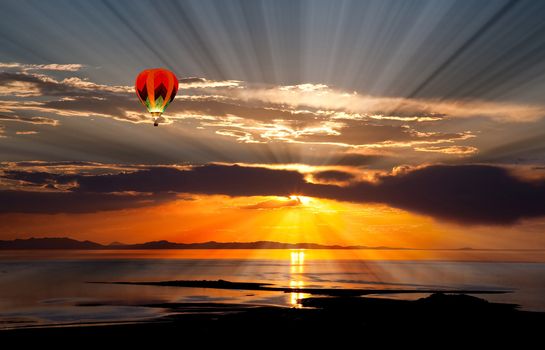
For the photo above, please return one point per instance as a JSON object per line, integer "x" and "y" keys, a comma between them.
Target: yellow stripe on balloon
{"x": 169, "y": 89}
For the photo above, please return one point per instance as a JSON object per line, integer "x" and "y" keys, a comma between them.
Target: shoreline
{"x": 349, "y": 317}
{"x": 268, "y": 287}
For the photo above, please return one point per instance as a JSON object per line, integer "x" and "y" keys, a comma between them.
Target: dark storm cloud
{"x": 38, "y": 177}
{"x": 355, "y": 159}
{"x": 209, "y": 179}
{"x": 333, "y": 176}
{"x": 75, "y": 202}
{"x": 147, "y": 187}
{"x": 466, "y": 194}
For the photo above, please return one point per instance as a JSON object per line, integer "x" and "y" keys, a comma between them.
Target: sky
{"x": 380, "y": 123}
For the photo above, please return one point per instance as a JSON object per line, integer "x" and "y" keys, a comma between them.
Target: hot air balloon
{"x": 156, "y": 88}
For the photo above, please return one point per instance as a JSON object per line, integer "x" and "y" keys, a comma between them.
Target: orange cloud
{"x": 275, "y": 203}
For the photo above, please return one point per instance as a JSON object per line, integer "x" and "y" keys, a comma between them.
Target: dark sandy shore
{"x": 267, "y": 287}
{"x": 452, "y": 316}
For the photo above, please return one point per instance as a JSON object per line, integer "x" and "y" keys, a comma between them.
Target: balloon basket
{"x": 156, "y": 116}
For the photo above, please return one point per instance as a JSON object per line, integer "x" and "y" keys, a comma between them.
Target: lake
{"x": 51, "y": 287}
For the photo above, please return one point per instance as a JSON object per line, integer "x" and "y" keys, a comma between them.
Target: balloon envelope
{"x": 156, "y": 88}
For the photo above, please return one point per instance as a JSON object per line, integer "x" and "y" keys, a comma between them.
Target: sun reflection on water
{"x": 297, "y": 268}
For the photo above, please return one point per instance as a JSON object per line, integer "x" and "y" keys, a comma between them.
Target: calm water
{"x": 47, "y": 287}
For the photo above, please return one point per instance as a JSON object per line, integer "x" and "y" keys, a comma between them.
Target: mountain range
{"x": 68, "y": 243}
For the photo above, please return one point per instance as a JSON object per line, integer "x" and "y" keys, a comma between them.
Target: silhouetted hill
{"x": 49, "y": 243}
{"x": 68, "y": 243}
{"x": 240, "y": 245}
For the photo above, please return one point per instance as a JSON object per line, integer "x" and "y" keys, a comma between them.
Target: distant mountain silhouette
{"x": 49, "y": 243}
{"x": 68, "y": 243}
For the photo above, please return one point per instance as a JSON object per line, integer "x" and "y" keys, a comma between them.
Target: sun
{"x": 301, "y": 199}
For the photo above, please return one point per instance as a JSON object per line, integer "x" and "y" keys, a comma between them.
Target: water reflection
{"x": 48, "y": 286}
{"x": 297, "y": 268}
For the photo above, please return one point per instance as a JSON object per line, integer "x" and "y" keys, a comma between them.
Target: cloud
{"x": 469, "y": 194}
{"x": 355, "y": 159}
{"x": 87, "y": 85}
{"x": 201, "y": 83}
{"x": 75, "y": 193}
{"x": 466, "y": 194}
{"x": 242, "y": 181}
{"x": 48, "y": 86}
{"x": 300, "y": 115}
{"x": 74, "y": 96}
{"x": 42, "y": 163}
{"x": 361, "y": 134}
{"x": 457, "y": 150}
{"x": 30, "y": 120}
{"x": 217, "y": 105}
{"x": 276, "y": 203}
{"x": 241, "y": 136}
{"x": 262, "y": 125}
{"x": 15, "y": 88}
{"x": 68, "y": 97}
{"x": 41, "y": 67}
{"x": 75, "y": 202}
{"x": 327, "y": 99}
{"x": 332, "y": 176}
{"x": 52, "y": 169}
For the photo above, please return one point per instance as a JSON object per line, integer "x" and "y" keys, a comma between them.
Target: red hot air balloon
{"x": 156, "y": 88}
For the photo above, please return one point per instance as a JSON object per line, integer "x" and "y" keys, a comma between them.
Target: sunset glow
{"x": 301, "y": 199}
{"x": 192, "y": 171}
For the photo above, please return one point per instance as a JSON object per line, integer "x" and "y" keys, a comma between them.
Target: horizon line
{"x": 246, "y": 245}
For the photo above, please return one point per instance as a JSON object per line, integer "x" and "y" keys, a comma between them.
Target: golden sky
{"x": 306, "y": 128}
{"x": 245, "y": 219}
